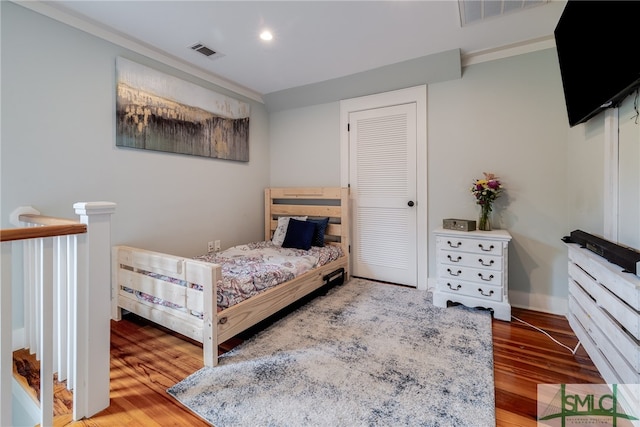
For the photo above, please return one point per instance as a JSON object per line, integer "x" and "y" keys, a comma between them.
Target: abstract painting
{"x": 157, "y": 111}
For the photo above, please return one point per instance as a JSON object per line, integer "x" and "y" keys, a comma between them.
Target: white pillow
{"x": 281, "y": 229}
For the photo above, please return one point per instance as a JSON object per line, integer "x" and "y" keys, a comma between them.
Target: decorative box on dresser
{"x": 604, "y": 313}
{"x": 472, "y": 269}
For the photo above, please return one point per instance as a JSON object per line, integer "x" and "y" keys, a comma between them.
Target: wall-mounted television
{"x": 599, "y": 55}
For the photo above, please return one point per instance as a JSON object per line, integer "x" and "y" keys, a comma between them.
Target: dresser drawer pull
{"x": 454, "y": 260}
{"x": 485, "y": 264}
{"x": 457, "y": 245}
{"x": 457, "y": 288}
{"x": 486, "y": 250}
{"x": 485, "y": 295}
{"x": 486, "y": 280}
{"x": 459, "y": 272}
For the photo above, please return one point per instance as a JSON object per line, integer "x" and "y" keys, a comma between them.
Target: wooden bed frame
{"x": 218, "y": 326}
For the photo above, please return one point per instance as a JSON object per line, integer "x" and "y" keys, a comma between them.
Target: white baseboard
{"x": 431, "y": 284}
{"x": 539, "y": 302}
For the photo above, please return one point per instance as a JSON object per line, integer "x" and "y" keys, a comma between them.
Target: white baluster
{"x": 6, "y": 332}
{"x": 62, "y": 283}
{"x": 46, "y": 332}
{"x": 72, "y": 267}
{"x": 29, "y": 294}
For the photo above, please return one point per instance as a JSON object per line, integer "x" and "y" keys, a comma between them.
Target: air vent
{"x": 199, "y": 47}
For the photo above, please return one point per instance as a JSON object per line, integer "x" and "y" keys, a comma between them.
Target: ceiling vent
{"x": 206, "y": 51}
{"x": 472, "y": 11}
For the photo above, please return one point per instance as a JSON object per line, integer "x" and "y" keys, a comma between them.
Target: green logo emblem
{"x": 588, "y": 405}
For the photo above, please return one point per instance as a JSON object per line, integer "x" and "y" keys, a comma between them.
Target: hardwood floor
{"x": 524, "y": 357}
{"x": 146, "y": 360}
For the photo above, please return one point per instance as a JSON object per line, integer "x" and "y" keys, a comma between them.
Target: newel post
{"x": 93, "y": 309}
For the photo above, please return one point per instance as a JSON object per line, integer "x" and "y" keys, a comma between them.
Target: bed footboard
{"x": 138, "y": 292}
{"x": 186, "y": 310}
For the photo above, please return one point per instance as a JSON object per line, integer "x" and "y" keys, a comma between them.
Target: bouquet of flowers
{"x": 486, "y": 191}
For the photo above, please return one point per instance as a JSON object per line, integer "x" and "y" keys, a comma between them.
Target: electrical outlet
{"x": 210, "y": 247}
{"x": 217, "y": 245}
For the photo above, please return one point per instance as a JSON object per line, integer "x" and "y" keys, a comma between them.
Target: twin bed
{"x": 215, "y": 296}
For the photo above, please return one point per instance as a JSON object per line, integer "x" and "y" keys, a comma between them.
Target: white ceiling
{"x": 314, "y": 41}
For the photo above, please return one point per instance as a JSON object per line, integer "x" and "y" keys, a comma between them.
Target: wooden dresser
{"x": 472, "y": 269}
{"x": 604, "y": 312}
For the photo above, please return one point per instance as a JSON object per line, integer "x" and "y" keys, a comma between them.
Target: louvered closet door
{"x": 382, "y": 172}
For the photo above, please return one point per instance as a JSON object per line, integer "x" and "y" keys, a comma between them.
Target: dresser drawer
{"x": 464, "y": 244}
{"x": 470, "y": 274}
{"x": 485, "y": 261}
{"x": 476, "y": 290}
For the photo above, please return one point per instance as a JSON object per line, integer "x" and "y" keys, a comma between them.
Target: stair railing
{"x": 65, "y": 279}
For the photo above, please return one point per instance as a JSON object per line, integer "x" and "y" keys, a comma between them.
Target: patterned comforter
{"x": 250, "y": 269}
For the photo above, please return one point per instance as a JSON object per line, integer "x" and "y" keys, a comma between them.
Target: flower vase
{"x": 484, "y": 223}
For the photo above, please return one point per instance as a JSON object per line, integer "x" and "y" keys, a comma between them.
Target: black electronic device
{"x": 623, "y": 256}
{"x": 597, "y": 44}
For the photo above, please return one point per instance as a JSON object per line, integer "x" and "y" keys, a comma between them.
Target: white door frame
{"x": 417, "y": 95}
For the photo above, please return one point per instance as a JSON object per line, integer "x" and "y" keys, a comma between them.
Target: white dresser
{"x": 472, "y": 269}
{"x": 604, "y": 313}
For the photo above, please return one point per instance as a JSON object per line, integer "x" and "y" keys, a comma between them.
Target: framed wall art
{"x": 157, "y": 111}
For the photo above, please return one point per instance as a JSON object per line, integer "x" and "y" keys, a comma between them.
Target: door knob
{"x": 410, "y": 203}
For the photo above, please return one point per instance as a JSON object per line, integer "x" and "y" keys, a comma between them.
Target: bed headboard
{"x": 319, "y": 202}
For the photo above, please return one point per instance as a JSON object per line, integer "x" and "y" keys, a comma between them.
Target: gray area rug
{"x": 366, "y": 354}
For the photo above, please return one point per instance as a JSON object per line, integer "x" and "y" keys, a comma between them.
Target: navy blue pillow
{"x": 321, "y": 228}
{"x": 299, "y": 234}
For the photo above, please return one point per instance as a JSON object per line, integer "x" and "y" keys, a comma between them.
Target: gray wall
{"x": 305, "y": 146}
{"x": 505, "y": 116}
{"x": 629, "y": 172}
{"x": 58, "y": 146}
{"x": 586, "y": 169}
{"x": 508, "y": 117}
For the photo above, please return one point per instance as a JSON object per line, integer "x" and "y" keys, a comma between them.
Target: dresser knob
{"x": 483, "y": 294}
{"x": 454, "y": 260}
{"x": 486, "y": 250}
{"x": 456, "y": 288}
{"x": 457, "y": 245}
{"x": 486, "y": 280}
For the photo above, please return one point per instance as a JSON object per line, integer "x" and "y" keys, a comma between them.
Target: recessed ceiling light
{"x": 266, "y": 35}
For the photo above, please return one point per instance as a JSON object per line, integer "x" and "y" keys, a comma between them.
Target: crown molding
{"x": 109, "y": 35}
{"x": 515, "y": 49}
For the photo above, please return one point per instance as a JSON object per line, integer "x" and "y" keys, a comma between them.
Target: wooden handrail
{"x": 45, "y": 220}
{"x": 49, "y": 227}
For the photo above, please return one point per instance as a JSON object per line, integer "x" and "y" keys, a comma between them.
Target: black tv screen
{"x": 599, "y": 55}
